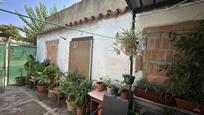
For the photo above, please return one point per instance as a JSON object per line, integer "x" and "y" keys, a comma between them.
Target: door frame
{"x": 91, "y": 52}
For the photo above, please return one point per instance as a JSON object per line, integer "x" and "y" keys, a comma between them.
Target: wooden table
{"x": 96, "y": 96}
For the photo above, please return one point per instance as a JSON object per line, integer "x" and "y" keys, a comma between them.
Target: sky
{"x": 18, "y": 5}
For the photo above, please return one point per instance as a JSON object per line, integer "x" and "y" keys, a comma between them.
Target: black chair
{"x": 113, "y": 105}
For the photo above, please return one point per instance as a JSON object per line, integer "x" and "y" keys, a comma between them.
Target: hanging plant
{"x": 128, "y": 42}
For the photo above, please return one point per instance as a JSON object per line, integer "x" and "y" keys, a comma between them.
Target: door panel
{"x": 17, "y": 59}
{"x": 80, "y": 56}
{"x": 2, "y": 59}
{"x": 52, "y": 49}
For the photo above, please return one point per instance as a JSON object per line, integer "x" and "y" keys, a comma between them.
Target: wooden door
{"x": 52, "y": 49}
{"x": 80, "y": 54}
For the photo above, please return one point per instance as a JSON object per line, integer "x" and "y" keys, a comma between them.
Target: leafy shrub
{"x": 186, "y": 74}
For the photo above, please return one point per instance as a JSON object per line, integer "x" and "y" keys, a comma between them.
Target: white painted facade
{"x": 105, "y": 61}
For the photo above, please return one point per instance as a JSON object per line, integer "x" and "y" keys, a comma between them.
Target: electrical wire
{"x": 55, "y": 24}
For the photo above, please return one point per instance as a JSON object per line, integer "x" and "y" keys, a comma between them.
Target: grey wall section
{"x": 85, "y": 8}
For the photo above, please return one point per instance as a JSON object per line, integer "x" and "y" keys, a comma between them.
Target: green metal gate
{"x": 17, "y": 59}
{"x": 2, "y": 57}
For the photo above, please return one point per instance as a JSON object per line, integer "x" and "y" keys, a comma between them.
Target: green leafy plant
{"x": 33, "y": 26}
{"x": 82, "y": 94}
{"x": 68, "y": 84}
{"x": 186, "y": 74}
{"x": 108, "y": 82}
{"x": 43, "y": 78}
{"x": 75, "y": 87}
{"x": 147, "y": 86}
{"x": 31, "y": 66}
{"x": 129, "y": 43}
{"x": 10, "y": 32}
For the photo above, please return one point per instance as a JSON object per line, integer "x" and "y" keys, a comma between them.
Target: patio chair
{"x": 113, "y": 105}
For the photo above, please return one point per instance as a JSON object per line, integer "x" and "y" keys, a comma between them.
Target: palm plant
{"x": 34, "y": 26}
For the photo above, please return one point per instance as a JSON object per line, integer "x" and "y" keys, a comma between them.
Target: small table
{"x": 96, "y": 96}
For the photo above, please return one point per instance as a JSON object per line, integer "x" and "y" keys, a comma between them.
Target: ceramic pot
{"x": 20, "y": 81}
{"x": 53, "y": 95}
{"x": 80, "y": 111}
{"x": 69, "y": 107}
{"x": 124, "y": 94}
{"x": 100, "y": 86}
{"x": 110, "y": 90}
{"x": 129, "y": 79}
{"x": 41, "y": 88}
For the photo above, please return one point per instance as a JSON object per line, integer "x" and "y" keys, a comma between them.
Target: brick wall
{"x": 159, "y": 51}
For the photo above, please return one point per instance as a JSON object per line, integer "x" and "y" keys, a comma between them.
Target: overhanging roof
{"x": 91, "y": 10}
{"x": 139, "y": 6}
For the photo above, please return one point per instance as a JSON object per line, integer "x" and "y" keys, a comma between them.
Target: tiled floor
{"x": 25, "y": 101}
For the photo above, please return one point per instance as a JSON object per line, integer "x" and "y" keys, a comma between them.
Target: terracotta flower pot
{"x": 190, "y": 106}
{"x": 53, "y": 95}
{"x": 20, "y": 81}
{"x": 41, "y": 88}
{"x": 69, "y": 107}
{"x": 124, "y": 94}
{"x": 100, "y": 86}
{"x": 110, "y": 90}
{"x": 80, "y": 111}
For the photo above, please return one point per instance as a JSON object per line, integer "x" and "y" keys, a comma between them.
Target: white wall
{"x": 105, "y": 62}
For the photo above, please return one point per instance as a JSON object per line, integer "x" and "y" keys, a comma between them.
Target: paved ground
{"x": 24, "y": 101}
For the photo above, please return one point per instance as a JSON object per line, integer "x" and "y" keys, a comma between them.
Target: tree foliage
{"x": 34, "y": 26}
{"x": 10, "y": 32}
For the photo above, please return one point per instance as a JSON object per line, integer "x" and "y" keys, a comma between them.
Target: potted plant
{"x": 42, "y": 82}
{"x": 109, "y": 86}
{"x": 30, "y": 66}
{"x": 122, "y": 88}
{"x": 69, "y": 87}
{"x": 152, "y": 92}
{"x": 128, "y": 79}
{"x": 186, "y": 73}
{"x": 81, "y": 96}
{"x": 53, "y": 93}
{"x": 129, "y": 42}
{"x": 100, "y": 85}
{"x": 124, "y": 94}
{"x": 20, "y": 80}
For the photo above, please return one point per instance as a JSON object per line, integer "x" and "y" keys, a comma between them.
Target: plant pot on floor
{"x": 100, "y": 86}
{"x": 20, "y": 81}
{"x": 80, "y": 111}
{"x": 190, "y": 106}
{"x": 53, "y": 95}
{"x": 41, "y": 88}
{"x": 69, "y": 107}
{"x": 124, "y": 94}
